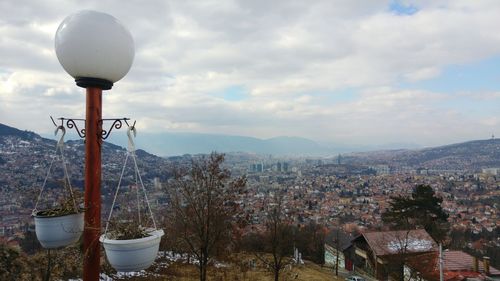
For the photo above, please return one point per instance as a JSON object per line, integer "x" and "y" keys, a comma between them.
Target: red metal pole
{"x": 93, "y": 141}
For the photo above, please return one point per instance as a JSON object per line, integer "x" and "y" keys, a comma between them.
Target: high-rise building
{"x": 285, "y": 167}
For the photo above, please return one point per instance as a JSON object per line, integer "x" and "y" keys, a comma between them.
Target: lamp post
{"x": 97, "y": 50}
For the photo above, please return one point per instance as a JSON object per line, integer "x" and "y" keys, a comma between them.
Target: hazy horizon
{"x": 178, "y": 143}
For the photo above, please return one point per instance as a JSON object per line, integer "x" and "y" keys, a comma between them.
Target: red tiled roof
{"x": 460, "y": 261}
{"x": 457, "y": 266}
{"x": 459, "y": 275}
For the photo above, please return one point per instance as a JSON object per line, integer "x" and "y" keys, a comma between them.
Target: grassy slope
{"x": 234, "y": 271}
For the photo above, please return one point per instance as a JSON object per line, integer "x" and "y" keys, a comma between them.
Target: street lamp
{"x": 97, "y": 50}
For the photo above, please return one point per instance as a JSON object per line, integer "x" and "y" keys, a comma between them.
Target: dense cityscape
{"x": 336, "y": 192}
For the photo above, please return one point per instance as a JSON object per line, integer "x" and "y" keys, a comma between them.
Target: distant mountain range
{"x": 168, "y": 144}
{"x": 174, "y": 144}
{"x": 470, "y": 155}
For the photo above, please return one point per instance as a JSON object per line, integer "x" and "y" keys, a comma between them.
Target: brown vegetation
{"x": 203, "y": 209}
{"x": 237, "y": 269}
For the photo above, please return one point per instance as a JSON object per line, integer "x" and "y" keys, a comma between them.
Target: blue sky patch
{"x": 473, "y": 77}
{"x": 402, "y": 9}
{"x": 343, "y": 95}
{"x": 235, "y": 93}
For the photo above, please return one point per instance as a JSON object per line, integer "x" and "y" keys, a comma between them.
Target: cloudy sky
{"x": 343, "y": 71}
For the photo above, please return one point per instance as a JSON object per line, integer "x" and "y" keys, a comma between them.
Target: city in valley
{"x": 344, "y": 193}
{"x": 243, "y": 140}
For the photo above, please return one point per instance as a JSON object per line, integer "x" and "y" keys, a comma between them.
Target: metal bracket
{"x": 70, "y": 123}
{"x": 117, "y": 124}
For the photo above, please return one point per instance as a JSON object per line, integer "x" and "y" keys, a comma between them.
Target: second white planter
{"x": 55, "y": 232}
{"x": 133, "y": 254}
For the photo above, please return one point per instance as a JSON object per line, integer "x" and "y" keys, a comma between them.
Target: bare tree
{"x": 310, "y": 241}
{"x": 399, "y": 244}
{"x": 278, "y": 239}
{"x": 203, "y": 207}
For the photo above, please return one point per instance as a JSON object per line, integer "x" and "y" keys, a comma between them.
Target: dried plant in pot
{"x": 62, "y": 225}
{"x": 59, "y": 226}
{"x": 131, "y": 247}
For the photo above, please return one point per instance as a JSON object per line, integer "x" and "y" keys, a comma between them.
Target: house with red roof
{"x": 383, "y": 254}
{"x": 457, "y": 266}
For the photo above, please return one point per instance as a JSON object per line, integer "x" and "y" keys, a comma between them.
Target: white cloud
{"x": 328, "y": 70}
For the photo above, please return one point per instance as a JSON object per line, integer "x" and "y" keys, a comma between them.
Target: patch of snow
{"x": 221, "y": 265}
{"x": 165, "y": 259}
{"x": 173, "y": 257}
{"x": 412, "y": 245}
{"x": 142, "y": 273}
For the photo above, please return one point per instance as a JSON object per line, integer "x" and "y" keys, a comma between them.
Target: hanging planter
{"x": 63, "y": 225}
{"x": 132, "y": 254}
{"x": 58, "y": 231}
{"x": 130, "y": 246}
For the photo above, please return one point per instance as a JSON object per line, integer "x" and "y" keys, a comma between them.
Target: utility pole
{"x": 337, "y": 245}
{"x": 441, "y": 276}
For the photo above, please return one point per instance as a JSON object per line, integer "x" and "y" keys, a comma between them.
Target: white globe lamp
{"x": 95, "y": 48}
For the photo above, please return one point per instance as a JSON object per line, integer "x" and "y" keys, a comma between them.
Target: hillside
{"x": 471, "y": 155}
{"x": 10, "y": 131}
{"x": 24, "y": 157}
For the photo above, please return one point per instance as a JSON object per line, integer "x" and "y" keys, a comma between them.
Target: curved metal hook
{"x": 60, "y": 143}
{"x": 131, "y": 146}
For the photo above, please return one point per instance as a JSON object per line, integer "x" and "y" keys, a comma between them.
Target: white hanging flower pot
{"x": 131, "y": 247}
{"x": 61, "y": 226}
{"x": 58, "y": 231}
{"x": 132, "y": 254}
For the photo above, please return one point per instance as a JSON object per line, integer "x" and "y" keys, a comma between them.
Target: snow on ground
{"x": 163, "y": 260}
{"x": 174, "y": 257}
{"x": 411, "y": 245}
